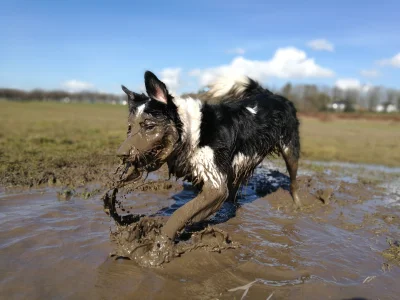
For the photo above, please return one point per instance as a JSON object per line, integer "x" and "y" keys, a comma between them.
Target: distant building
{"x": 340, "y": 106}
{"x": 120, "y": 101}
{"x": 386, "y": 107}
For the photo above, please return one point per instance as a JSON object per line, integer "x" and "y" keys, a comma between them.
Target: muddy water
{"x": 331, "y": 249}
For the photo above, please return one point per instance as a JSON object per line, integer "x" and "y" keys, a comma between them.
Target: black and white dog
{"x": 214, "y": 146}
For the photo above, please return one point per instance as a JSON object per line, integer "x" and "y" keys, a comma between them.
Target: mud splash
{"x": 142, "y": 242}
{"x": 139, "y": 238}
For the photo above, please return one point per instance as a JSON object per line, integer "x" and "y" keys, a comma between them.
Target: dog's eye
{"x": 147, "y": 125}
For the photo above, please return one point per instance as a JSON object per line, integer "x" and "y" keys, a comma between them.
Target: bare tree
{"x": 373, "y": 98}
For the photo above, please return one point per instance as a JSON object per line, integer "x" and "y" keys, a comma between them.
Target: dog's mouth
{"x": 131, "y": 169}
{"x": 130, "y": 173}
{"x": 126, "y": 173}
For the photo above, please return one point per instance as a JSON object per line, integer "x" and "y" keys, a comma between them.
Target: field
{"x": 343, "y": 242}
{"x": 351, "y": 140}
{"x": 43, "y": 142}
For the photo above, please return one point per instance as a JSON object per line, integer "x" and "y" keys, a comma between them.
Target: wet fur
{"x": 219, "y": 145}
{"x": 229, "y": 128}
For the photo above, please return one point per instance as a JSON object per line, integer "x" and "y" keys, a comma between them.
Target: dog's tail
{"x": 234, "y": 88}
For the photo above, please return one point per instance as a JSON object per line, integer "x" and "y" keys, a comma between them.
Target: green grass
{"x": 61, "y": 143}
{"x": 357, "y": 141}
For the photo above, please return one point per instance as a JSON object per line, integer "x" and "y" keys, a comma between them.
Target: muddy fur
{"x": 214, "y": 146}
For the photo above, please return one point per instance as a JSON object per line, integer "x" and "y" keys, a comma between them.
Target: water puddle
{"x": 54, "y": 248}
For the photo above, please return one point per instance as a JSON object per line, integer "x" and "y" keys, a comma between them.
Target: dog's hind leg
{"x": 233, "y": 192}
{"x": 291, "y": 156}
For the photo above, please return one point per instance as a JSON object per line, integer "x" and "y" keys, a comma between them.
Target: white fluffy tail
{"x": 229, "y": 85}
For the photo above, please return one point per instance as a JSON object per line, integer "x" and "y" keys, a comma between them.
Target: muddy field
{"x": 47, "y": 143}
{"x": 56, "y": 242}
{"x": 56, "y": 239}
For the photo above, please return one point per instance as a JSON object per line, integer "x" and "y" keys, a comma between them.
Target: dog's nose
{"x": 123, "y": 151}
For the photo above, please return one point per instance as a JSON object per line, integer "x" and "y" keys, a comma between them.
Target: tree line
{"x": 57, "y": 95}
{"x": 308, "y": 98}
{"x": 313, "y": 98}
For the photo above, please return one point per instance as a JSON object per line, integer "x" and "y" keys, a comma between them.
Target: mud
{"x": 139, "y": 238}
{"x": 340, "y": 245}
{"x": 56, "y": 174}
{"x": 143, "y": 243}
{"x": 392, "y": 254}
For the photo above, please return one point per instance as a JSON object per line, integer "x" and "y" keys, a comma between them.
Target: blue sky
{"x": 103, "y": 44}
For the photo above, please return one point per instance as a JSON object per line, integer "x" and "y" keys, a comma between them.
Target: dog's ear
{"x": 128, "y": 92}
{"x": 132, "y": 96}
{"x": 155, "y": 88}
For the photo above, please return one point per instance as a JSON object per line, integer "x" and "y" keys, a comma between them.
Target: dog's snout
{"x": 123, "y": 151}
{"x": 126, "y": 150}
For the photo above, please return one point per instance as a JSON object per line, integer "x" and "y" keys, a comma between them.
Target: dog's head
{"x": 152, "y": 129}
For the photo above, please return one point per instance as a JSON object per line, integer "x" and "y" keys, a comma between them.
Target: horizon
{"x": 78, "y": 46}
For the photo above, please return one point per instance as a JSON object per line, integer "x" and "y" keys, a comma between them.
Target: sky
{"x": 99, "y": 45}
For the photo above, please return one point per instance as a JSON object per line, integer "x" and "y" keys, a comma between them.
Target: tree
{"x": 323, "y": 100}
{"x": 337, "y": 94}
{"x": 310, "y": 98}
{"x": 352, "y": 97}
{"x": 398, "y": 101}
{"x": 286, "y": 90}
{"x": 373, "y": 98}
{"x": 392, "y": 96}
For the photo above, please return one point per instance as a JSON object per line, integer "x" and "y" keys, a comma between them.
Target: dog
{"x": 214, "y": 146}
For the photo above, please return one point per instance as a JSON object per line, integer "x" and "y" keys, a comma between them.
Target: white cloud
{"x": 238, "y": 51}
{"x": 321, "y": 45}
{"x": 286, "y": 63}
{"x": 370, "y": 73}
{"x": 171, "y": 77}
{"x": 195, "y": 72}
{"x": 352, "y": 84}
{"x": 76, "y": 85}
{"x": 394, "y": 61}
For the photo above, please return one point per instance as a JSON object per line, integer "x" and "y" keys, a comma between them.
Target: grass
{"x": 57, "y": 143}
{"x": 356, "y": 141}
{"x": 42, "y": 142}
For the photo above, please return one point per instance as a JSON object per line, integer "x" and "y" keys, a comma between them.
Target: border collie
{"x": 214, "y": 146}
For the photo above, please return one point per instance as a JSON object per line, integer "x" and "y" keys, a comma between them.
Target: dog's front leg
{"x": 205, "y": 204}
